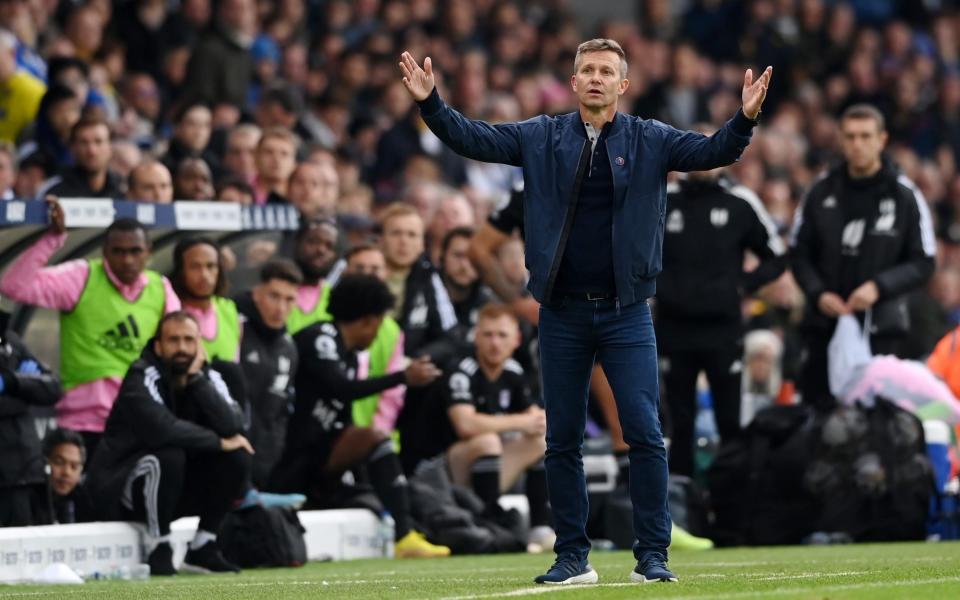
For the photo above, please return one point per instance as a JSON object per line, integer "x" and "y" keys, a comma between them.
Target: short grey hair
{"x": 600, "y": 45}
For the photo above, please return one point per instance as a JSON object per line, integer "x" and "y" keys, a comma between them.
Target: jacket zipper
{"x": 613, "y": 226}
{"x": 568, "y": 218}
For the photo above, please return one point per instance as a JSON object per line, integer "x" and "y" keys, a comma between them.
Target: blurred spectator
{"x": 191, "y": 136}
{"x": 315, "y": 252}
{"x": 422, "y": 306}
{"x": 193, "y": 180}
{"x": 8, "y": 170}
{"x": 269, "y": 361}
{"x": 94, "y": 354}
{"x": 172, "y": 446}
{"x": 24, "y": 382}
{"x": 276, "y": 158}
{"x": 91, "y": 176}
{"x": 280, "y": 106}
{"x": 314, "y": 189}
{"x": 150, "y": 181}
{"x": 124, "y": 156}
{"x": 863, "y": 240}
{"x": 221, "y": 66}
{"x": 140, "y": 96}
{"x": 20, "y": 92}
{"x": 322, "y": 442}
{"x": 241, "y": 150}
{"x": 762, "y": 373}
{"x": 234, "y": 189}
{"x": 58, "y": 114}
{"x": 32, "y": 172}
{"x": 454, "y": 211}
{"x": 200, "y": 282}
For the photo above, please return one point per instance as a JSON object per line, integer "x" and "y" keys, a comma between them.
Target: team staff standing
{"x": 595, "y": 183}
{"x": 862, "y": 239}
{"x": 710, "y": 223}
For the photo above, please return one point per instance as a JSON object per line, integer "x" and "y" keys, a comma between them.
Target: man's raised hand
{"x": 419, "y": 82}
{"x": 754, "y": 91}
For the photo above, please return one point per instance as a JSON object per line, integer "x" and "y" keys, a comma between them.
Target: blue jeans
{"x": 573, "y": 335}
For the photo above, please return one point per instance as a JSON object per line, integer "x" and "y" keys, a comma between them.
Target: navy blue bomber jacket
{"x": 554, "y": 153}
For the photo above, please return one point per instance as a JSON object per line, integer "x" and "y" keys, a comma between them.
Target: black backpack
{"x": 872, "y": 474}
{"x": 756, "y": 480}
{"x": 263, "y": 537}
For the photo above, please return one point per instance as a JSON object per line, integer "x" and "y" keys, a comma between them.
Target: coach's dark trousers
{"x": 573, "y": 335}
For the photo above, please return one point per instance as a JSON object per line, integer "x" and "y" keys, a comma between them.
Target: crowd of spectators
{"x": 300, "y": 102}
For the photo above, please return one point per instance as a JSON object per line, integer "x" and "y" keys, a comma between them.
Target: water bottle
{"x": 386, "y": 533}
{"x": 140, "y": 572}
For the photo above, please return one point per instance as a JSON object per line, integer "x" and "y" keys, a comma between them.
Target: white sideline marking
{"x": 810, "y": 575}
{"x": 533, "y": 591}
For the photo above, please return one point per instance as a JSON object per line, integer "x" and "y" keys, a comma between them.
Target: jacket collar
{"x": 576, "y": 124}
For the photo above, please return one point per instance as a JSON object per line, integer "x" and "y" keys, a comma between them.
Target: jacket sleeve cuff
{"x": 431, "y": 104}
{"x": 741, "y": 124}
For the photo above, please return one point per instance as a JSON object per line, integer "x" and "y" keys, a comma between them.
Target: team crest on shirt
{"x": 888, "y": 216}
{"x": 418, "y": 314}
{"x": 852, "y": 236}
{"x": 719, "y": 217}
{"x": 504, "y": 399}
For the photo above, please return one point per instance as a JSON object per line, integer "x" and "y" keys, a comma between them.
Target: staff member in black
{"x": 861, "y": 240}
{"x": 710, "y": 223}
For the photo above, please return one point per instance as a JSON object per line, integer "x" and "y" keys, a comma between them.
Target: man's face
{"x": 457, "y": 267}
{"x": 862, "y": 142}
{"x": 151, "y": 183}
{"x": 317, "y": 250}
{"x": 240, "y": 155}
{"x": 313, "y": 190}
{"x": 402, "y": 240}
{"x": 91, "y": 147}
{"x": 194, "y": 181}
{"x": 597, "y": 81}
{"x": 178, "y": 344}
{"x": 201, "y": 269}
{"x": 368, "y": 262}
{"x": 66, "y": 466}
{"x": 276, "y": 159}
{"x": 194, "y": 128}
{"x": 497, "y": 338}
{"x": 274, "y": 300}
{"x": 126, "y": 253}
{"x": 367, "y": 329}
{"x": 453, "y": 212}
{"x": 63, "y": 115}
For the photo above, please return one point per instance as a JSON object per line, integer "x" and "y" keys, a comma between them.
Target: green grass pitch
{"x": 872, "y": 572}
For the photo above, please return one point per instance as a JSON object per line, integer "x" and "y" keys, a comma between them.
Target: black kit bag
{"x": 756, "y": 482}
{"x": 263, "y": 537}
{"x": 873, "y": 474}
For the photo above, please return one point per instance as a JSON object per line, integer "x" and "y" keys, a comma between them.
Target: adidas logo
{"x": 125, "y": 336}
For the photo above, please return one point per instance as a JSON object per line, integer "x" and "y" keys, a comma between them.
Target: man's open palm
{"x": 419, "y": 82}
{"x": 754, "y": 91}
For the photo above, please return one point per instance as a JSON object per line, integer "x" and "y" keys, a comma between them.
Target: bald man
{"x": 150, "y": 181}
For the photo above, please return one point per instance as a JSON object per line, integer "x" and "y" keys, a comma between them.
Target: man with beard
{"x": 200, "y": 281}
{"x": 91, "y": 176}
{"x": 322, "y": 442}
{"x": 172, "y": 447}
{"x": 268, "y": 358}
{"x": 460, "y": 278}
{"x": 315, "y": 252}
{"x": 107, "y": 307}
